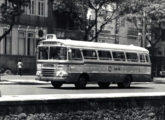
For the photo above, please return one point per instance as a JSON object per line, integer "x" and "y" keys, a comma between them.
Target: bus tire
{"x": 103, "y": 84}
{"x": 82, "y": 81}
{"x": 56, "y": 84}
{"x": 126, "y": 83}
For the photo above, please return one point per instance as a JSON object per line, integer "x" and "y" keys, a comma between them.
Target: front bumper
{"x": 61, "y": 79}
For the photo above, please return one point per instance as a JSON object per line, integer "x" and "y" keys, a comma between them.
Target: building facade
{"x": 21, "y": 42}
{"x": 128, "y": 34}
{"x": 40, "y": 16}
{"x": 108, "y": 33}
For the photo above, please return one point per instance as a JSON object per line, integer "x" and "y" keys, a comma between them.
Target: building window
{"x": 7, "y": 44}
{"x": 30, "y": 44}
{"x": 21, "y": 43}
{"x": 41, "y": 8}
{"x": 38, "y": 7}
{"x": 32, "y": 7}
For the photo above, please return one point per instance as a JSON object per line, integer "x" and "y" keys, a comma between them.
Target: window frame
{"x": 94, "y": 58}
{"x": 119, "y": 59}
{"x": 81, "y": 59}
{"x": 142, "y": 60}
{"x": 132, "y": 60}
{"x": 104, "y": 58}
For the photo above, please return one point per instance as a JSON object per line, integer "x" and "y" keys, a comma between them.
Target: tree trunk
{"x": 96, "y": 17}
{"x": 152, "y": 61}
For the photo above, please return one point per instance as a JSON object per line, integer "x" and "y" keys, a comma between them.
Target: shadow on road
{"x": 96, "y": 88}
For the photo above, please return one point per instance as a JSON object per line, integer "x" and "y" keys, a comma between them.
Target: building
{"x": 128, "y": 33}
{"x": 159, "y": 59}
{"x": 64, "y": 21}
{"x": 108, "y": 33}
{"x": 40, "y": 17}
{"x": 22, "y": 40}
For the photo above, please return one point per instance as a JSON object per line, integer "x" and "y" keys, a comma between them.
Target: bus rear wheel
{"x": 56, "y": 84}
{"x": 126, "y": 83}
{"x": 82, "y": 81}
{"x": 103, "y": 84}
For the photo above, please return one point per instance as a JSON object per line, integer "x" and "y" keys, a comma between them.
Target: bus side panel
{"x": 106, "y": 77}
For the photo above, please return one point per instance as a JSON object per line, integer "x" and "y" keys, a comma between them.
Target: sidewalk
{"x": 17, "y": 79}
{"x": 30, "y": 79}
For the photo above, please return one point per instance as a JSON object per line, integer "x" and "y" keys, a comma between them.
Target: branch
{"x": 6, "y": 32}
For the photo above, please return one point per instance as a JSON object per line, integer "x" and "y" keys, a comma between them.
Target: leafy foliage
{"x": 10, "y": 10}
{"x": 106, "y": 10}
{"x": 150, "y": 15}
{"x": 153, "y": 13}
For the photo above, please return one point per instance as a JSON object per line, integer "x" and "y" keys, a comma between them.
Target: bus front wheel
{"x": 82, "y": 81}
{"x": 126, "y": 83}
{"x": 103, "y": 84}
{"x": 56, "y": 84}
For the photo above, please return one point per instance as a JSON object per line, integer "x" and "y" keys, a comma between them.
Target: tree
{"x": 106, "y": 10}
{"x": 10, "y": 10}
{"x": 150, "y": 14}
{"x": 73, "y": 10}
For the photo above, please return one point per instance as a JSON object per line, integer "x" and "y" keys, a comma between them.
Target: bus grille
{"x": 48, "y": 72}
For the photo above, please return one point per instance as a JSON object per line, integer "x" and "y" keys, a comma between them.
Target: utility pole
{"x": 144, "y": 30}
{"x": 116, "y": 31}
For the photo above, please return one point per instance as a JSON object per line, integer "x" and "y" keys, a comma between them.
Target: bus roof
{"x": 85, "y": 44}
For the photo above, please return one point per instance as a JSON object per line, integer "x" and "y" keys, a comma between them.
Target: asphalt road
{"x": 36, "y": 89}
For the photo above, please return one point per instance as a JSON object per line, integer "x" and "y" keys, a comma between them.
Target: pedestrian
{"x": 20, "y": 66}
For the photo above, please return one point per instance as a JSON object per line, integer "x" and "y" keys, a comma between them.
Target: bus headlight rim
{"x": 61, "y": 73}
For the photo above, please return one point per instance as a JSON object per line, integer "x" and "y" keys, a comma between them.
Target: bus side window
{"x": 147, "y": 58}
{"x": 89, "y": 54}
{"x": 142, "y": 59}
{"x": 118, "y": 56}
{"x": 76, "y": 54}
{"x": 104, "y": 55}
{"x": 132, "y": 57}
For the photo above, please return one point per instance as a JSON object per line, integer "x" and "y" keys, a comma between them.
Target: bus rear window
{"x": 76, "y": 54}
{"x": 118, "y": 56}
{"x": 104, "y": 55}
{"x": 58, "y": 53}
{"x": 89, "y": 54}
{"x": 132, "y": 57}
{"x": 43, "y": 53}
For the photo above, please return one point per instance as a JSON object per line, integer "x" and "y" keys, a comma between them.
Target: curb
{"x": 159, "y": 80}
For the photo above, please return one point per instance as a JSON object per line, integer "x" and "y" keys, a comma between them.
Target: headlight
{"x": 61, "y": 73}
{"x": 38, "y": 73}
{"x": 39, "y": 66}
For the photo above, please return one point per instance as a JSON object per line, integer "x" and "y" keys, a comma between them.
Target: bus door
{"x": 76, "y": 61}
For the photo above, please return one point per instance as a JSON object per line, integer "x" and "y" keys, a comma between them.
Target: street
{"x": 36, "y": 89}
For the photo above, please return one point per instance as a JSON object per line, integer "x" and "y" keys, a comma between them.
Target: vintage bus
{"x": 78, "y": 62}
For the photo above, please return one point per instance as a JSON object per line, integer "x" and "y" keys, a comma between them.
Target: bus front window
{"x": 43, "y": 53}
{"x": 58, "y": 53}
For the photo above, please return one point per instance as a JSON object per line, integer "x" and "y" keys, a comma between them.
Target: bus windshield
{"x": 58, "y": 53}
{"x": 55, "y": 53}
{"x": 43, "y": 53}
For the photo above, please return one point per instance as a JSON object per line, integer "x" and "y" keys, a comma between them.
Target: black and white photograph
{"x": 82, "y": 59}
